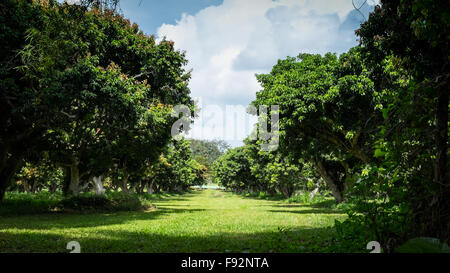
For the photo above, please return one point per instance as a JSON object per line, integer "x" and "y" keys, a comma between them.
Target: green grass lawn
{"x": 199, "y": 221}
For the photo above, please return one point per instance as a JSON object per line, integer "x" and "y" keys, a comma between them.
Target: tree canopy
{"x": 88, "y": 87}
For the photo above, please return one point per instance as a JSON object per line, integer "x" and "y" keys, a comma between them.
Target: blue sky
{"x": 151, "y": 14}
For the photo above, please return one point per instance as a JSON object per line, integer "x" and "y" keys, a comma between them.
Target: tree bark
{"x": 150, "y": 187}
{"x": 124, "y": 182}
{"x": 286, "y": 191}
{"x": 74, "y": 186}
{"x": 7, "y": 171}
{"x": 336, "y": 189}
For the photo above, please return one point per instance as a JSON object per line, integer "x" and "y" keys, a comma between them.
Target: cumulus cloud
{"x": 227, "y": 44}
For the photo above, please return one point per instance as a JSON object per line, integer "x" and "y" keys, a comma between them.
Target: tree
{"x": 208, "y": 151}
{"x": 176, "y": 169}
{"x": 86, "y": 81}
{"x": 328, "y": 110}
{"x": 35, "y": 176}
{"x": 20, "y": 118}
{"x": 273, "y": 171}
{"x": 232, "y": 170}
{"x": 416, "y": 34}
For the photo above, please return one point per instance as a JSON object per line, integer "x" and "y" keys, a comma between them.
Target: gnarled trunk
{"x": 335, "y": 186}
{"x": 150, "y": 187}
{"x": 286, "y": 191}
{"x": 74, "y": 186}
{"x": 7, "y": 170}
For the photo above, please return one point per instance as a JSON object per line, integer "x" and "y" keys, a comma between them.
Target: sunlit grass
{"x": 200, "y": 221}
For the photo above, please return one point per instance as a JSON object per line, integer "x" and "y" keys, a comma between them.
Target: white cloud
{"x": 227, "y": 44}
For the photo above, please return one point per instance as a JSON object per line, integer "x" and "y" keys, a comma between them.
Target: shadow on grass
{"x": 330, "y": 204}
{"x": 256, "y": 196}
{"x": 290, "y": 205}
{"x": 164, "y": 197}
{"x": 324, "y": 204}
{"x": 77, "y": 220}
{"x": 311, "y": 211}
{"x": 293, "y": 240}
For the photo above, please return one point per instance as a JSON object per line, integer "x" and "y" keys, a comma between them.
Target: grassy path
{"x": 201, "y": 221}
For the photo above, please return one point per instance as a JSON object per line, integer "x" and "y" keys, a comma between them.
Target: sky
{"x": 227, "y": 42}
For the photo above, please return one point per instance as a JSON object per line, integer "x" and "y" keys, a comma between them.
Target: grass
{"x": 199, "y": 221}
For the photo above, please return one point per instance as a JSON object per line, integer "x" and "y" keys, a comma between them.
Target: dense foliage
{"x": 373, "y": 124}
{"x": 413, "y": 141}
{"x": 248, "y": 169}
{"x": 89, "y": 90}
{"x": 87, "y": 101}
{"x": 207, "y": 152}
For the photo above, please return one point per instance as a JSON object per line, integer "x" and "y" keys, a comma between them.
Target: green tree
{"x": 232, "y": 170}
{"x": 208, "y": 151}
{"x": 176, "y": 169}
{"x": 86, "y": 81}
{"x": 328, "y": 110}
{"x": 414, "y": 139}
{"x": 20, "y": 118}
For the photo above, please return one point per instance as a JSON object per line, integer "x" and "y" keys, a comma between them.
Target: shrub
{"x": 16, "y": 203}
{"x": 320, "y": 199}
{"x": 112, "y": 201}
{"x": 43, "y": 202}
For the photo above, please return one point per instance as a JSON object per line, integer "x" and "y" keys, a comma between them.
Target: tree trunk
{"x": 34, "y": 186}
{"x": 139, "y": 187}
{"x": 285, "y": 190}
{"x": 178, "y": 188}
{"x": 26, "y": 186}
{"x": 150, "y": 187}
{"x": 336, "y": 189}
{"x": 74, "y": 186}
{"x": 53, "y": 187}
{"x": 7, "y": 170}
{"x": 271, "y": 191}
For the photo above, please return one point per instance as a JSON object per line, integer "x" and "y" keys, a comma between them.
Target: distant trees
{"x": 247, "y": 169}
{"x": 232, "y": 170}
{"x": 207, "y": 152}
{"x": 210, "y": 149}
{"x": 175, "y": 170}
{"x": 88, "y": 88}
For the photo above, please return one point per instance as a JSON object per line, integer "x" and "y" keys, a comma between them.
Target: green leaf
{"x": 379, "y": 153}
